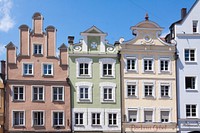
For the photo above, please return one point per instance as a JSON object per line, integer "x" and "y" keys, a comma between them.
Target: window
{"x": 38, "y": 93}
{"x": 148, "y": 90}
{"x": 148, "y": 64}
{"x": 37, "y": 49}
{"x": 108, "y": 94}
{"x": 190, "y": 55}
{"x": 191, "y": 110}
{"x": 18, "y": 118}
{"x": 18, "y": 93}
{"x": 195, "y": 26}
{"x": 131, "y": 90}
{"x": 164, "y": 90}
{"x": 164, "y": 116}
{"x": 190, "y": 83}
{"x": 58, "y": 119}
{"x": 148, "y": 115}
{"x": 28, "y": 69}
{"x": 84, "y": 69}
{"x": 131, "y": 64}
{"x": 84, "y": 93}
{"x": 78, "y": 118}
{"x": 164, "y": 65}
{"x": 38, "y": 118}
{"x": 47, "y": 69}
{"x": 107, "y": 69}
{"x": 132, "y": 115}
{"x": 95, "y": 118}
{"x": 112, "y": 119}
{"x": 58, "y": 94}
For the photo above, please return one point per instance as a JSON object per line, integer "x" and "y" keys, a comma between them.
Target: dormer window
{"x": 195, "y": 26}
{"x": 93, "y": 45}
{"x": 37, "y": 49}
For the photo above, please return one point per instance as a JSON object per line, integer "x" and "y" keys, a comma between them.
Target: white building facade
{"x": 186, "y": 33}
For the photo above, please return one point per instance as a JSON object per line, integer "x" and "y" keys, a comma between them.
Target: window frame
{"x": 43, "y": 119}
{"x": 195, "y": 84}
{"x": 196, "y": 113}
{"x": 109, "y": 85}
{"x": 38, "y": 93}
{"x": 96, "y": 118}
{"x": 195, "y": 28}
{"x": 13, "y": 118}
{"x": 168, "y": 116}
{"x": 32, "y": 69}
{"x": 137, "y": 115}
{"x": 149, "y": 110}
{"x": 37, "y": 49}
{"x": 43, "y": 69}
{"x": 63, "y": 118}
{"x": 13, "y": 93}
{"x": 79, "y": 122}
{"x": 79, "y": 61}
{"x": 134, "y": 83}
{"x": 169, "y": 84}
{"x": 63, "y": 93}
{"x": 109, "y": 61}
{"x": 152, "y": 65}
{"x": 169, "y": 64}
{"x": 112, "y": 119}
{"x": 189, "y": 55}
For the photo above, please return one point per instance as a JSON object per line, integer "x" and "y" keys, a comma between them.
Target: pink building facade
{"x": 37, "y": 90}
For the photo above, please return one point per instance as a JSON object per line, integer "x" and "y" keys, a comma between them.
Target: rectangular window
{"x": 164, "y": 116}
{"x": 164, "y": 65}
{"x": 38, "y": 118}
{"x": 195, "y": 26}
{"x": 84, "y": 93}
{"x": 37, "y": 49}
{"x": 58, "y": 119}
{"x": 131, "y": 90}
{"x": 112, "y": 119}
{"x": 164, "y": 90}
{"x": 47, "y": 69}
{"x": 28, "y": 69}
{"x": 132, "y": 116}
{"x": 131, "y": 64}
{"x": 95, "y": 118}
{"x": 107, "y": 69}
{"x": 79, "y": 118}
{"x": 38, "y": 93}
{"x": 18, "y": 93}
{"x": 148, "y": 115}
{"x": 18, "y": 118}
{"x": 190, "y": 55}
{"x": 148, "y": 90}
{"x": 148, "y": 65}
{"x": 107, "y": 94}
{"x": 84, "y": 69}
{"x": 190, "y": 83}
{"x": 191, "y": 110}
{"x": 58, "y": 94}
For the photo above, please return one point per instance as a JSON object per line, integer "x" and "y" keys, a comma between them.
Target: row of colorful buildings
{"x": 146, "y": 84}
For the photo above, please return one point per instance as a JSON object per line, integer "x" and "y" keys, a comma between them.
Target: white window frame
{"x": 113, "y": 125}
{"x": 131, "y": 82}
{"x": 52, "y": 69}
{"x": 38, "y": 111}
{"x": 137, "y": 116}
{"x": 63, "y": 94}
{"x": 78, "y": 124}
{"x": 84, "y": 85}
{"x": 96, "y": 113}
{"x": 170, "y": 114}
{"x": 86, "y": 61}
{"x": 85, "y": 116}
{"x": 37, "y": 53}
{"x": 150, "y": 83}
{"x": 195, "y": 57}
{"x": 107, "y": 85}
{"x": 37, "y": 86}
{"x": 163, "y": 83}
{"x": 18, "y": 92}
{"x": 58, "y": 111}
{"x": 23, "y": 70}
{"x": 195, "y": 24}
{"x": 191, "y": 112}
{"x": 191, "y": 89}
{"x": 24, "y": 116}
{"x": 153, "y": 114}
{"x": 143, "y": 65}
{"x": 169, "y": 64}
{"x": 103, "y": 61}
{"x": 126, "y": 63}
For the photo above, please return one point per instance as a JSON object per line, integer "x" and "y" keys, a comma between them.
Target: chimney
{"x": 70, "y": 40}
{"x": 51, "y": 41}
{"x": 24, "y": 40}
{"x": 37, "y": 23}
{"x": 183, "y": 13}
{"x": 3, "y": 70}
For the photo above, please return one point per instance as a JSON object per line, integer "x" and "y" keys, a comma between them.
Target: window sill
{"x": 191, "y": 90}
{"x": 131, "y": 71}
{"x": 96, "y": 125}
{"x": 47, "y": 76}
{"x": 38, "y": 55}
{"x": 107, "y": 77}
{"x": 132, "y": 97}
{"x": 148, "y": 72}
{"x": 84, "y": 101}
{"x": 108, "y": 101}
{"x": 112, "y": 125}
{"x": 39, "y": 101}
{"x": 190, "y": 62}
{"x": 18, "y": 100}
{"x": 84, "y": 77}
{"x": 164, "y": 72}
{"x": 79, "y": 125}
{"x": 165, "y": 98}
{"x": 58, "y": 101}
{"x": 149, "y": 98}
{"x": 19, "y": 126}
{"x": 28, "y": 75}
{"x": 38, "y": 125}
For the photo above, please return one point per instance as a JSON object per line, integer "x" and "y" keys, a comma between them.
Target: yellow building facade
{"x": 148, "y": 81}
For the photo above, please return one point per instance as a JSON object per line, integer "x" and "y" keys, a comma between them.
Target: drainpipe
{"x": 3, "y": 75}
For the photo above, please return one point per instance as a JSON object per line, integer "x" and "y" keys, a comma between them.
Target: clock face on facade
{"x": 94, "y": 45}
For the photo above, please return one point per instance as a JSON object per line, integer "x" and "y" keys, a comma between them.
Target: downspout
{"x": 3, "y": 76}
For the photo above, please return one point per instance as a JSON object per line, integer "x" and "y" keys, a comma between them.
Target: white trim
{"x": 32, "y": 118}
{"x": 195, "y": 56}
{"x": 197, "y": 114}
{"x": 57, "y": 111}
{"x": 95, "y": 110}
{"x": 169, "y": 65}
{"x": 33, "y": 50}
{"x": 84, "y": 60}
{"x": 47, "y": 63}
{"x": 132, "y": 109}
{"x": 150, "y": 82}
{"x": 149, "y": 109}
{"x": 170, "y": 114}
{"x": 133, "y": 57}
{"x": 111, "y": 85}
{"x": 107, "y": 61}
{"x": 52, "y": 93}
{"x": 167, "y": 84}
{"x": 24, "y": 121}
{"x": 28, "y": 63}
{"x": 153, "y": 65}
{"x": 32, "y": 96}
{"x": 131, "y": 82}
{"x": 24, "y": 93}
{"x": 196, "y": 84}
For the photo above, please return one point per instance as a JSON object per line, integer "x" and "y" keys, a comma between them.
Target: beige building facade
{"x": 37, "y": 91}
{"x": 148, "y": 81}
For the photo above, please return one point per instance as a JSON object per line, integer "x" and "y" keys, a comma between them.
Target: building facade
{"x": 2, "y": 92}
{"x": 37, "y": 92}
{"x": 95, "y": 83}
{"x": 186, "y": 33}
{"x": 148, "y": 81}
